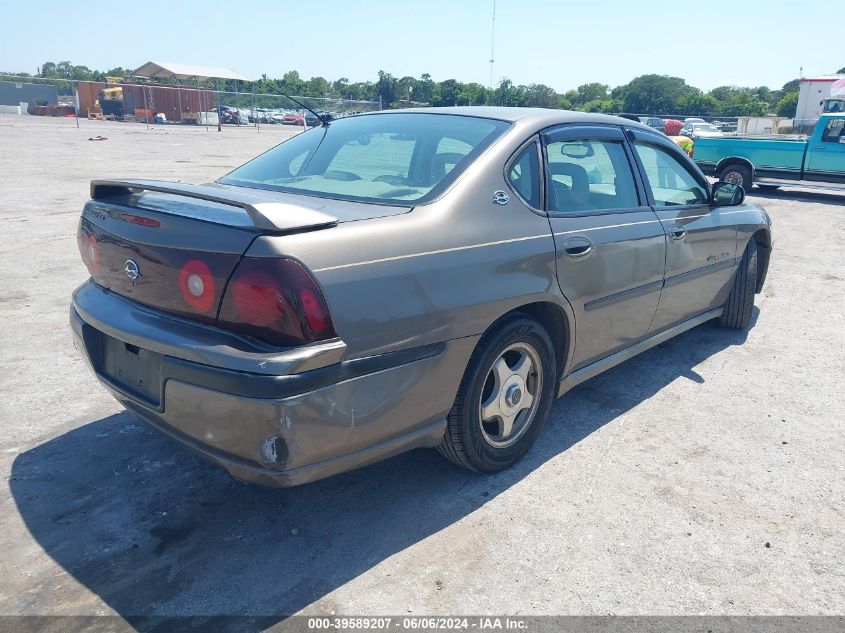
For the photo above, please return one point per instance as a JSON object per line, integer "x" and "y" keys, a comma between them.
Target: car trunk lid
{"x": 173, "y": 246}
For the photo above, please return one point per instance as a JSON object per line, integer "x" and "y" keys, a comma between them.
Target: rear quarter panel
{"x": 444, "y": 271}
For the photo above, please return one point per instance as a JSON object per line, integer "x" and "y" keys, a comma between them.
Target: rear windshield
{"x": 389, "y": 158}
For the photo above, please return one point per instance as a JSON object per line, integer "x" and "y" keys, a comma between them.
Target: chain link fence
{"x": 163, "y": 104}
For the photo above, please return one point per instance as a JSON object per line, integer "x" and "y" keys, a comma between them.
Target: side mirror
{"x": 726, "y": 194}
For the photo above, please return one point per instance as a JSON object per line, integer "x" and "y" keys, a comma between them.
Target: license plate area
{"x": 131, "y": 369}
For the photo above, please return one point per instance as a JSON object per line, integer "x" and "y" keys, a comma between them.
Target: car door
{"x": 610, "y": 247}
{"x": 826, "y": 162}
{"x": 700, "y": 240}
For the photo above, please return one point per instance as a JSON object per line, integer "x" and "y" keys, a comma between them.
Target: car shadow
{"x": 787, "y": 195}
{"x": 156, "y": 532}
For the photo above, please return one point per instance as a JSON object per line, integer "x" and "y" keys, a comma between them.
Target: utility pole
{"x": 492, "y": 45}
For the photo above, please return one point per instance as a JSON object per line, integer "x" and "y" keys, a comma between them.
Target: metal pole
{"x": 254, "y": 114}
{"x": 201, "y": 102}
{"x": 217, "y": 107}
{"x": 76, "y": 107}
{"x": 492, "y": 43}
{"x": 146, "y": 110}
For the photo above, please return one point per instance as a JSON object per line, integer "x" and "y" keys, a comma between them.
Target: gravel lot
{"x": 703, "y": 477}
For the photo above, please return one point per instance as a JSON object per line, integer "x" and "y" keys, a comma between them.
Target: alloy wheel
{"x": 510, "y": 395}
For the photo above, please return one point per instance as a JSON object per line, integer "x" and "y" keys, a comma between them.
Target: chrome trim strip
{"x": 808, "y": 184}
{"x": 623, "y": 295}
{"x": 698, "y": 272}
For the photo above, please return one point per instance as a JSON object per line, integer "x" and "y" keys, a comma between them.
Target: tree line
{"x": 646, "y": 94}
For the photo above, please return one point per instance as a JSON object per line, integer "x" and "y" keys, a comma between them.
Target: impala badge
{"x": 131, "y": 269}
{"x": 501, "y": 197}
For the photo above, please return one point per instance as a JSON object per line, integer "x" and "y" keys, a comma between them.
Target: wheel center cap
{"x": 513, "y": 395}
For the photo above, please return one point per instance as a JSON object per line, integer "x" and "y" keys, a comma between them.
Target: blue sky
{"x": 562, "y": 44}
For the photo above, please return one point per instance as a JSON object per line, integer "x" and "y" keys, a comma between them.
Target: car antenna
{"x": 323, "y": 121}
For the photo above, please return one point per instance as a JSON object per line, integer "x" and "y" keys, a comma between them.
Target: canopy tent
{"x": 185, "y": 72}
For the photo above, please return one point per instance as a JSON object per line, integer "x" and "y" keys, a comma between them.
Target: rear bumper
{"x": 313, "y": 416}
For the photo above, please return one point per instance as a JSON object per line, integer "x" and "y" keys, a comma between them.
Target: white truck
{"x": 817, "y": 96}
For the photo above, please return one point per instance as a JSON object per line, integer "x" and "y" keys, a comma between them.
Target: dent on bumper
{"x": 361, "y": 415}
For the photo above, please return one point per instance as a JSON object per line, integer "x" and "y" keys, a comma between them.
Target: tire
{"x": 737, "y": 174}
{"x": 482, "y": 442}
{"x": 739, "y": 307}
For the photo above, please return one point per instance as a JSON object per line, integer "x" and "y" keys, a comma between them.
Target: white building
{"x": 812, "y": 93}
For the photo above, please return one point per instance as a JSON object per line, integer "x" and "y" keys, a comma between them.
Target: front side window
{"x": 834, "y": 131}
{"x": 399, "y": 158}
{"x": 590, "y": 175}
{"x": 524, "y": 176}
{"x": 671, "y": 184}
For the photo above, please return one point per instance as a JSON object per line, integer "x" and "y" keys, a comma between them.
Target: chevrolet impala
{"x": 404, "y": 279}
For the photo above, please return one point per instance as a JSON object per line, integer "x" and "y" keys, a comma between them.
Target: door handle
{"x": 577, "y": 247}
{"x": 677, "y": 232}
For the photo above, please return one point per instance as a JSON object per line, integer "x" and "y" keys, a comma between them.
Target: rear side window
{"x": 524, "y": 176}
{"x": 590, "y": 175}
{"x": 834, "y": 131}
{"x": 671, "y": 184}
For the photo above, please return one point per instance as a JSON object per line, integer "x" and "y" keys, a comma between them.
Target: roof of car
{"x": 540, "y": 116}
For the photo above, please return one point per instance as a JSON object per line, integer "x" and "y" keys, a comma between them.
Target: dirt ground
{"x": 705, "y": 476}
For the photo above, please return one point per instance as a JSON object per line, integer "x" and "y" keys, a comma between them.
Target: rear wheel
{"x": 504, "y": 397}
{"x": 739, "y": 307}
{"x": 737, "y": 174}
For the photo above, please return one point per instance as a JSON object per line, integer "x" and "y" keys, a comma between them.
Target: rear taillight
{"x": 277, "y": 301}
{"x": 197, "y": 285}
{"x": 89, "y": 249}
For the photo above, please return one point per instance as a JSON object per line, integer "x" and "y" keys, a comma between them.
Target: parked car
{"x": 694, "y": 119}
{"x": 653, "y": 122}
{"x": 411, "y": 278}
{"x": 311, "y": 119}
{"x": 817, "y": 161}
{"x": 696, "y": 130}
{"x": 232, "y": 116}
{"x": 292, "y": 118}
{"x": 261, "y": 116}
{"x": 725, "y": 126}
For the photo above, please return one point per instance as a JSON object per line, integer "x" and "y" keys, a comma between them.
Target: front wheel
{"x": 739, "y": 307}
{"x": 504, "y": 397}
{"x": 737, "y": 174}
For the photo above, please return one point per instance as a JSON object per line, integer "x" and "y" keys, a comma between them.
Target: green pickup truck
{"x": 817, "y": 161}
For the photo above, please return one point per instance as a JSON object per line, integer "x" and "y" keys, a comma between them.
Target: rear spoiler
{"x": 266, "y": 214}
